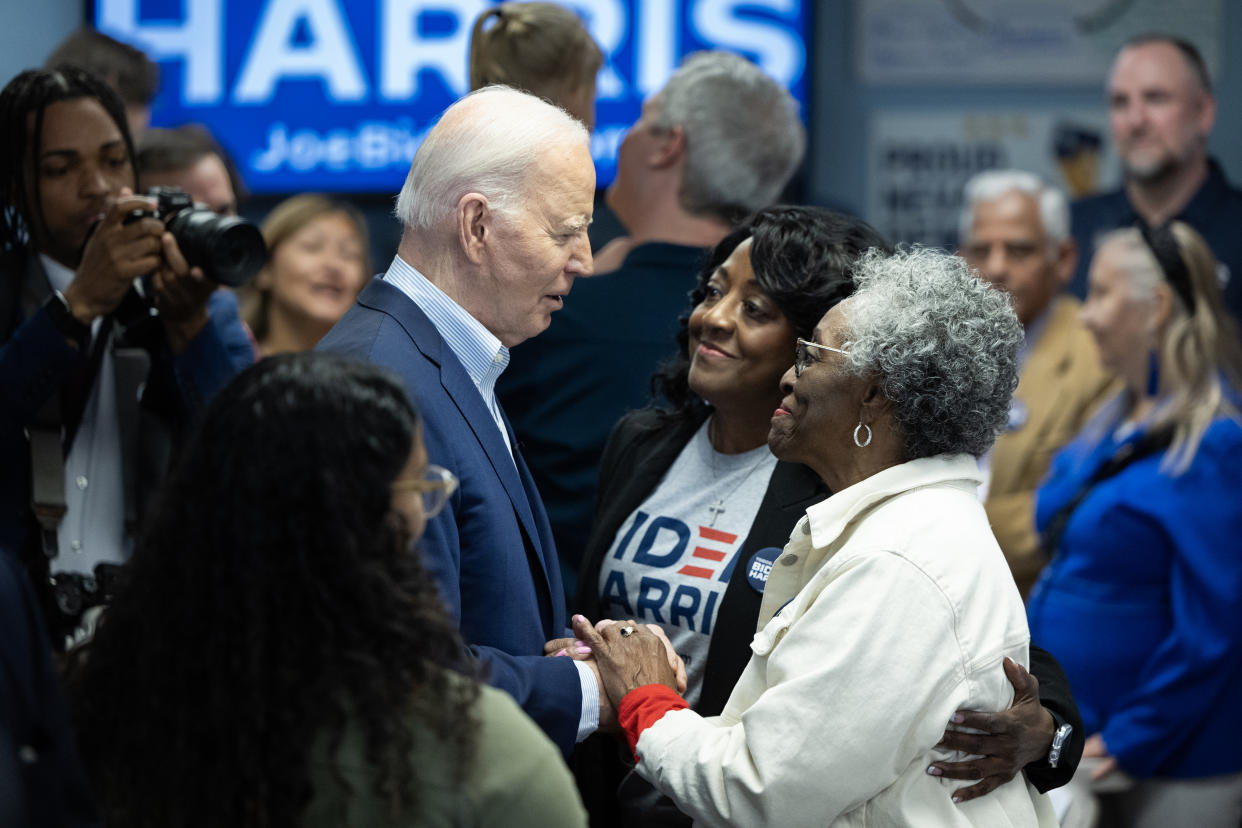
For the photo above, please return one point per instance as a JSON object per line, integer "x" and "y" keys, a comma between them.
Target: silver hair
{"x": 1200, "y": 353}
{"x": 943, "y": 342}
{"x": 744, "y": 139}
{"x": 486, "y": 142}
{"x": 992, "y": 184}
{"x": 1142, "y": 270}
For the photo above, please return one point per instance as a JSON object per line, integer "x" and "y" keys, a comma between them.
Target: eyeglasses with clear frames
{"x": 802, "y": 356}
{"x": 436, "y": 486}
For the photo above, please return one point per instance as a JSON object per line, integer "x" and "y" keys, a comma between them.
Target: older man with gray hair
{"x": 496, "y": 208}
{"x": 719, "y": 141}
{"x": 1015, "y": 232}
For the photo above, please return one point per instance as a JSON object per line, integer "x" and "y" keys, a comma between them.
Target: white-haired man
{"x": 719, "y": 141}
{"x": 1015, "y": 232}
{"x": 496, "y": 208}
{"x": 1161, "y": 111}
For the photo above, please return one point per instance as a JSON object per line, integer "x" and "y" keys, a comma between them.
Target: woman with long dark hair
{"x": 276, "y": 655}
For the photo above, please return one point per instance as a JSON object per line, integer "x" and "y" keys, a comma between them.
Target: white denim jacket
{"x": 890, "y": 608}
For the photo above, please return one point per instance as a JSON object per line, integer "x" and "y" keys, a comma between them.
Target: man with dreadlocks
{"x": 97, "y": 380}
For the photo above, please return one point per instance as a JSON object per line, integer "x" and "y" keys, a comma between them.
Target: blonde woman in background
{"x": 317, "y": 262}
{"x": 540, "y": 48}
{"x": 1141, "y": 515}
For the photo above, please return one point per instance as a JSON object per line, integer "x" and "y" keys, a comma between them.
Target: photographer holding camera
{"x": 110, "y": 341}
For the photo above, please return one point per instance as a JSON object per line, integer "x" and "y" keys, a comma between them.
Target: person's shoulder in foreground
{"x": 523, "y": 782}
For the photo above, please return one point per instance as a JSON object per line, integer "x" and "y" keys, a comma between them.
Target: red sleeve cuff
{"x": 644, "y": 706}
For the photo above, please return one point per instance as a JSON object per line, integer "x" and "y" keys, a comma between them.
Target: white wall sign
{"x": 919, "y": 162}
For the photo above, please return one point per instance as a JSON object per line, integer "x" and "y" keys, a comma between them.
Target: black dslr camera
{"x": 230, "y": 250}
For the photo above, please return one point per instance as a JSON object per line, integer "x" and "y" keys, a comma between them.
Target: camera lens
{"x": 230, "y": 250}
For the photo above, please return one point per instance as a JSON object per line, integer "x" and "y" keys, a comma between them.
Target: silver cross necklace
{"x": 717, "y": 507}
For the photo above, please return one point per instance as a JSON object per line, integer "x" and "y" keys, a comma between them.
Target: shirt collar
{"x": 479, "y": 351}
{"x": 829, "y": 518}
{"x": 1206, "y": 201}
{"x": 58, "y": 275}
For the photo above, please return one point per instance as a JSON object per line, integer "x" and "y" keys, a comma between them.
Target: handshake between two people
{"x": 624, "y": 655}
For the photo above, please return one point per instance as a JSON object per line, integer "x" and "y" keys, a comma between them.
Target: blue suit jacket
{"x": 490, "y": 550}
{"x": 1140, "y": 600}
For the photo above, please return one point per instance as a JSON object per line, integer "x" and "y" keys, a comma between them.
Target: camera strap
{"x": 57, "y": 423}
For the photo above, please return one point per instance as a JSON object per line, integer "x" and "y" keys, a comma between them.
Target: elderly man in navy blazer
{"x": 496, "y": 208}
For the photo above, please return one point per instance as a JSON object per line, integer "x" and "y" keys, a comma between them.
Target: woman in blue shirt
{"x": 1142, "y": 513}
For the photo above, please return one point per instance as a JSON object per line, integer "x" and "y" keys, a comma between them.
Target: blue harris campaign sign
{"x": 335, "y": 95}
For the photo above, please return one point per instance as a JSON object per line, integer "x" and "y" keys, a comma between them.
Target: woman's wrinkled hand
{"x": 674, "y": 660}
{"x": 627, "y": 662}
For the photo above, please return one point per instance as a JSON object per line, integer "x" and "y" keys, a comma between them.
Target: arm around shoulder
{"x": 1055, "y": 696}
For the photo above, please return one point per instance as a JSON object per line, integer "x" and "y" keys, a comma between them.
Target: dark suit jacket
{"x": 490, "y": 550}
{"x": 41, "y": 779}
{"x": 639, "y": 452}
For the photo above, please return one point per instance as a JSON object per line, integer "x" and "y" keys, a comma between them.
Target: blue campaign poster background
{"x": 334, "y": 95}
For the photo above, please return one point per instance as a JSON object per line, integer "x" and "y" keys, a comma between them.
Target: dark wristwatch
{"x": 1059, "y": 739}
{"x": 72, "y": 328}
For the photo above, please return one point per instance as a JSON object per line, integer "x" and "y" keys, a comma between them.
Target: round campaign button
{"x": 759, "y": 565}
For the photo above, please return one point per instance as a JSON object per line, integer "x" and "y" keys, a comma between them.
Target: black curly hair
{"x": 802, "y": 258}
{"x": 273, "y": 596}
{"x": 26, "y": 95}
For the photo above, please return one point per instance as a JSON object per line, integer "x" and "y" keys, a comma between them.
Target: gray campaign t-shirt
{"x": 672, "y": 557}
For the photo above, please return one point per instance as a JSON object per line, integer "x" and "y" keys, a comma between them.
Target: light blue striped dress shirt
{"x": 477, "y": 348}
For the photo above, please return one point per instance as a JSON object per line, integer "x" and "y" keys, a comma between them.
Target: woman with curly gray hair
{"x": 890, "y": 608}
